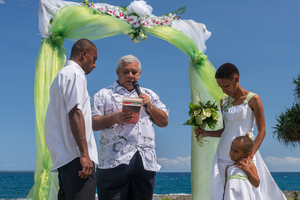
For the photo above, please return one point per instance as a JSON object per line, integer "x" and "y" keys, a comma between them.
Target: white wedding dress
{"x": 239, "y": 120}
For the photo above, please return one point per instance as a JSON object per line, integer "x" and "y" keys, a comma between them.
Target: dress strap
{"x": 249, "y": 96}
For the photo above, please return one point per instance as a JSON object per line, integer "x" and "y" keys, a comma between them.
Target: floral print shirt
{"x": 120, "y": 142}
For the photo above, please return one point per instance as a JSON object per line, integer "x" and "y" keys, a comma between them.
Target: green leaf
{"x": 179, "y": 11}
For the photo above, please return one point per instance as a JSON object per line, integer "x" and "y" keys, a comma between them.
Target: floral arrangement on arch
{"x": 138, "y": 14}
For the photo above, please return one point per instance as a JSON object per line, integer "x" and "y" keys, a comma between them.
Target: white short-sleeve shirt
{"x": 69, "y": 88}
{"x": 120, "y": 142}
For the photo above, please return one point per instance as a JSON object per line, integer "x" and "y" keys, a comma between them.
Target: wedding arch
{"x": 63, "y": 20}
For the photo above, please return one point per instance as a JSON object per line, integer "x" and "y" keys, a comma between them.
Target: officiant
{"x": 127, "y": 159}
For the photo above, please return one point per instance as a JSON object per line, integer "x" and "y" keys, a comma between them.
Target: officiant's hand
{"x": 146, "y": 100}
{"x": 122, "y": 117}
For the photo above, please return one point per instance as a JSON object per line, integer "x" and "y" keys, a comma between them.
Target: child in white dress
{"x": 241, "y": 177}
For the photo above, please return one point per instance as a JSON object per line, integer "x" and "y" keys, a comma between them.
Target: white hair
{"x": 128, "y": 59}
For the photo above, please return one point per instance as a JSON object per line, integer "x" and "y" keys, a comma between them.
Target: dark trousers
{"x": 126, "y": 182}
{"x": 71, "y": 186}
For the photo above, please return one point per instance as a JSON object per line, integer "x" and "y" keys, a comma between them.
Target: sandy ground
{"x": 288, "y": 194}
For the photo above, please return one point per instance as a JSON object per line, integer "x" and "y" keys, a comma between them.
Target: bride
{"x": 240, "y": 109}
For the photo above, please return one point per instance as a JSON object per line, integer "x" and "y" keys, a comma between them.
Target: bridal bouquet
{"x": 202, "y": 114}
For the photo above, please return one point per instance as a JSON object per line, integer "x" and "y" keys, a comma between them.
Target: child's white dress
{"x": 238, "y": 185}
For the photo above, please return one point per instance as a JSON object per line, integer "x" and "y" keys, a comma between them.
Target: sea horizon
{"x": 16, "y": 184}
{"x": 25, "y": 170}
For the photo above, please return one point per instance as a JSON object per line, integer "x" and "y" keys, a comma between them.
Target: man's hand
{"x": 122, "y": 117}
{"x": 146, "y": 99}
{"x": 87, "y": 167}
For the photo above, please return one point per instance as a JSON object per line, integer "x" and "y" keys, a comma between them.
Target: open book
{"x": 132, "y": 105}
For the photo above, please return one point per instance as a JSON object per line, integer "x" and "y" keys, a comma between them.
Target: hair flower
{"x": 251, "y": 136}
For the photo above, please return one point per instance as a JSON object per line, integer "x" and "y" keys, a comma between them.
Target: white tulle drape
{"x": 196, "y": 31}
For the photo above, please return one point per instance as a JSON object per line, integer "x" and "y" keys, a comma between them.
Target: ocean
{"x": 17, "y": 184}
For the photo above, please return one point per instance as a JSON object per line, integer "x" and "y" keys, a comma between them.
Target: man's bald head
{"x": 80, "y": 46}
{"x": 84, "y": 53}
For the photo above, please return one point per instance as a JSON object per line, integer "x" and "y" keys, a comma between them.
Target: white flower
{"x": 143, "y": 36}
{"x": 101, "y": 7}
{"x": 196, "y": 112}
{"x": 146, "y": 22}
{"x": 207, "y": 112}
{"x": 135, "y": 40}
{"x": 251, "y": 136}
{"x": 202, "y": 116}
{"x": 140, "y": 8}
{"x": 224, "y": 102}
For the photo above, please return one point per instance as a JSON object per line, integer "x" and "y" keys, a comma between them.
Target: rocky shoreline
{"x": 288, "y": 194}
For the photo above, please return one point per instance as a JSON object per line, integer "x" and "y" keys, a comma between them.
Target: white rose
{"x": 140, "y": 8}
{"x": 202, "y": 116}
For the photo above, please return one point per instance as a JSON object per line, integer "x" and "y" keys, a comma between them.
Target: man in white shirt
{"x": 127, "y": 159}
{"x": 68, "y": 125}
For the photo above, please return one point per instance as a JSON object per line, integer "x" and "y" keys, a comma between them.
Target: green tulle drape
{"x": 70, "y": 23}
{"x": 75, "y": 22}
{"x": 49, "y": 61}
{"x": 202, "y": 157}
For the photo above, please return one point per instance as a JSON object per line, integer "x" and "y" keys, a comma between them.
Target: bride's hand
{"x": 199, "y": 131}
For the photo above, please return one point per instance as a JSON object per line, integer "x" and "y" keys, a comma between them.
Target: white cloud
{"x": 287, "y": 164}
{"x": 178, "y": 164}
{"x": 2, "y": 2}
{"x": 274, "y": 164}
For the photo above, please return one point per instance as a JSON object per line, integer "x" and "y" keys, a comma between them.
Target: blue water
{"x": 16, "y": 185}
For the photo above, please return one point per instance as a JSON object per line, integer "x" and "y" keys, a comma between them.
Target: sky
{"x": 262, "y": 38}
